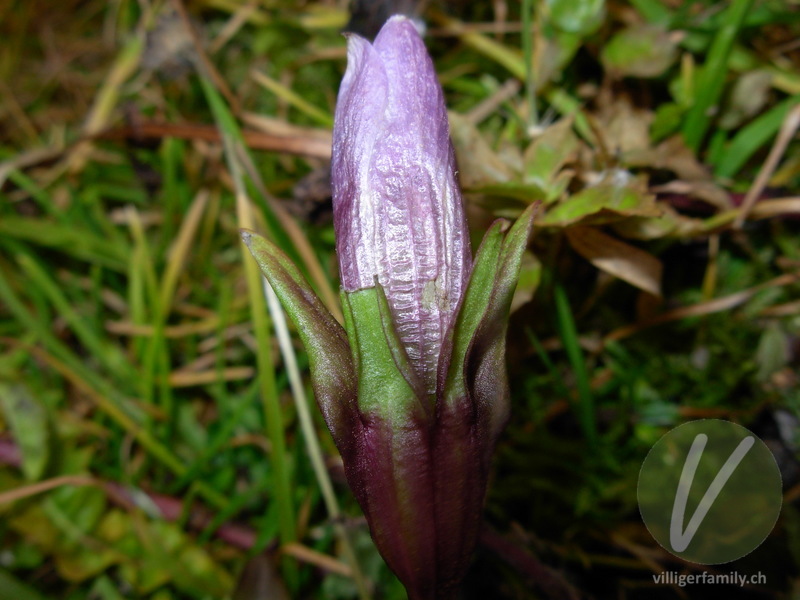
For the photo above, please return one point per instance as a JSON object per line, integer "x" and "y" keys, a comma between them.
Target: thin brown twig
{"x": 785, "y": 135}
{"x": 702, "y": 308}
{"x": 45, "y": 486}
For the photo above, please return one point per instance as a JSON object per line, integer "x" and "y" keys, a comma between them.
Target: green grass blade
{"x": 261, "y": 323}
{"x": 753, "y": 136}
{"x": 108, "y": 354}
{"x": 712, "y": 76}
{"x": 569, "y": 336}
{"x": 310, "y": 436}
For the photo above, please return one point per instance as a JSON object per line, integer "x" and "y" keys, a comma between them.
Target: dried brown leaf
{"x": 631, "y": 264}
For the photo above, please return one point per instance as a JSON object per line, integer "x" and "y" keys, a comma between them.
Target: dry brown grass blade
{"x": 20, "y": 118}
{"x": 239, "y": 18}
{"x": 788, "y": 309}
{"x": 45, "y": 486}
{"x": 792, "y": 495}
{"x": 170, "y": 331}
{"x": 318, "y": 559}
{"x": 489, "y": 106}
{"x": 702, "y": 308}
{"x": 297, "y": 142}
{"x": 775, "y": 208}
{"x": 765, "y": 209}
{"x": 181, "y": 248}
{"x": 106, "y": 100}
{"x": 646, "y": 554}
{"x": 29, "y": 158}
{"x": 189, "y": 379}
{"x": 785, "y": 135}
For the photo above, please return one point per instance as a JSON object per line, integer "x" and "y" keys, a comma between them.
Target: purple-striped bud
{"x": 398, "y": 211}
{"x": 414, "y": 391}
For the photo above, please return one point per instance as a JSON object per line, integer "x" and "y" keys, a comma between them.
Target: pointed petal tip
{"x": 396, "y": 28}
{"x": 357, "y": 46}
{"x": 247, "y": 235}
{"x": 530, "y": 214}
{"x": 405, "y": 21}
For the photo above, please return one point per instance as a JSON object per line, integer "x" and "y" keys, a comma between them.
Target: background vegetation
{"x": 157, "y": 435}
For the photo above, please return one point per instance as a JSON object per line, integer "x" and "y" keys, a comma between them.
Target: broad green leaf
{"x": 640, "y": 51}
{"x": 668, "y": 223}
{"x": 32, "y": 524}
{"x": 75, "y": 510}
{"x": 545, "y": 158}
{"x": 576, "y": 16}
{"x": 772, "y": 352}
{"x": 667, "y": 120}
{"x": 27, "y": 418}
{"x": 605, "y": 201}
{"x": 515, "y": 190}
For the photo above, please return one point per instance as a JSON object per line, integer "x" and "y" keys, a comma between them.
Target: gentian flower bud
{"x": 397, "y": 206}
{"x": 414, "y": 388}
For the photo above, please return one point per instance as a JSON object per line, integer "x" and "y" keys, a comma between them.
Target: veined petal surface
{"x": 398, "y": 211}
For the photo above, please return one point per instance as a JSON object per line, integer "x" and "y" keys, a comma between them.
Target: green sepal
{"x": 387, "y": 385}
{"x": 477, "y": 363}
{"x": 476, "y": 299}
{"x": 333, "y": 375}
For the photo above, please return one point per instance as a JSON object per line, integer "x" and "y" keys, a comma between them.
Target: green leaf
{"x": 773, "y": 351}
{"x": 606, "y": 199}
{"x": 27, "y": 418}
{"x": 11, "y": 587}
{"x": 667, "y": 120}
{"x": 104, "y": 589}
{"x": 640, "y": 51}
{"x": 545, "y": 159}
{"x": 711, "y": 80}
{"x": 333, "y": 375}
{"x": 576, "y": 16}
{"x": 756, "y": 134}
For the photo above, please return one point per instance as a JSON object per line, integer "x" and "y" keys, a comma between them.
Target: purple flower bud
{"x": 415, "y": 391}
{"x": 398, "y": 212}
